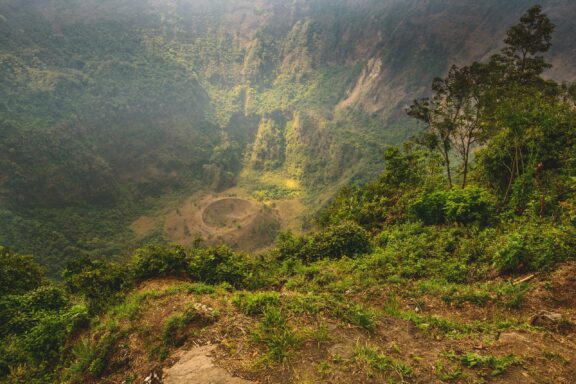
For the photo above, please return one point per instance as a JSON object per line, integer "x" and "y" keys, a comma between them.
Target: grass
{"x": 279, "y": 339}
{"x": 132, "y": 305}
{"x": 447, "y": 327}
{"x": 447, "y": 373}
{"x": 255, "y": 303}
{"x": 554, "y": 356}
{"x": 494, "y": 364}
{"x": 506, "y": 295}
{"x": 373, "y": 361}
{"x": 174, "y": 325}
{"x": 91, "y": 356}
{"x": 320, "y": 333}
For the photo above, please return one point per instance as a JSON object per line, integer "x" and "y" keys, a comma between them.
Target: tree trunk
{"x": 448, "y": 170}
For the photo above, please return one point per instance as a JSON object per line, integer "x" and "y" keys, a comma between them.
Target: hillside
{"x": 116, "y": 112}
{"x": 455, "y": 264}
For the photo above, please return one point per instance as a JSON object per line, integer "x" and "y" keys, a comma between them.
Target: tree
{"x": 522, "y": 58}
{"x": 466, "y": 108}
{"x": 436, "y": 135}
{"x": 453, "y": 116}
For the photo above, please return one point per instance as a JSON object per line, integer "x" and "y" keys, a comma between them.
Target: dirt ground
{"x": 230, "y": 217}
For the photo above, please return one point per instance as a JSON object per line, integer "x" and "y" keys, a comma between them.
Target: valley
{"x": 109, "y": 108}
{"x": 287, "y": 191}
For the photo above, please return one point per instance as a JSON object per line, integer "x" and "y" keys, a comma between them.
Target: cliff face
{"x": 230, "y": 63}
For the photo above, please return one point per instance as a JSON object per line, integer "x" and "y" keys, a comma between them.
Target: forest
{"x": 455, "y": 263}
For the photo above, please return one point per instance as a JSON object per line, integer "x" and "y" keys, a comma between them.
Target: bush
{"x": 45, "y": 298}
{"x": 44, "y": 342}
{"x": 215, "y": 265}
{"x": 18, "y": 314}
{"x": 512, "y": 255}
{"x": 429, "y": 208}
{"x": 18, "y": 274}
{"x": 464, "y": 206}
{"x": 413, "y": 250}
{"x": 346, "y": 239}
{"x": 535, "y": 248}
{"x": 469, "y": 205}
{"x": 96, "y": 280}
{"x": 160, "y": 261}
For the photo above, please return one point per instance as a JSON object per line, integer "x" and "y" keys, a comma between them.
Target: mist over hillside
{"x": 108, "y": 106}
{"x": 287, "y": 191}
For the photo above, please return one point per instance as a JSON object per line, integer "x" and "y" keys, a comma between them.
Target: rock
{"x": 155, "y": 377}
{"x": 197, "y": 367}
{"x": 549, "y": 320}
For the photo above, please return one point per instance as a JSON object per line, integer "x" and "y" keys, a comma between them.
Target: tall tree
{"x": 453, "y": 116}
{"x": 437, "y": 134}
{"x": 522, "y": 58}
{"x": 464, "y": 107}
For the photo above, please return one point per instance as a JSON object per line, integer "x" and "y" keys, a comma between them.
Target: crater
{"x": 229, "y": 213}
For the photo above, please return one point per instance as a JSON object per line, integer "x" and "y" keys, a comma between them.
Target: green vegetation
{"x": 427, "y": 252}
{"x": 496, "y": 365}
{"x": 256, "y": 303}
{"x": 107, "y": 111}
{"x": 377, "y": 362}
{"x": 275, "y": 333}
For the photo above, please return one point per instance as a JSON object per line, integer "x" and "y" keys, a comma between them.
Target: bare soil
{"x": 243, "y": 224}
{"x": 231, "y": 217}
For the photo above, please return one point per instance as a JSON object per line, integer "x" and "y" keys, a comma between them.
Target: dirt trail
{"x": 197, "y": 367}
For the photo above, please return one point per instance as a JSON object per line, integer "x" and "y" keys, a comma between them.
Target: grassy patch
{"x": 277, "y": 336}
{"x": 493, "y": 364}
{"x": 356, "y": 314}
{"x": 373, "y": 361}
{"x": 255, "y": 303}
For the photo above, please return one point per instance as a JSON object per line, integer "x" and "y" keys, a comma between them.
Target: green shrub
{"x": 412, "y": 250}
{"x": 430, "y": 208}
{"x": 535, "y": 248}
{"x": 469, "y": 205}
{"x": 98, "y": 281}
{"x": 464, "y": 206}
{"x": 215, "y": 265}
{"x": 45, "y": 298}
{"x": 44, "y": 342}
{"x": 18, "y": 274}
{"x": 255, "y": 303}
{"x": 512, "y": 255}
{"x": 345, "y": 239}
{"x": 160, "y": 261}
{"x": 289, "y": 246}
